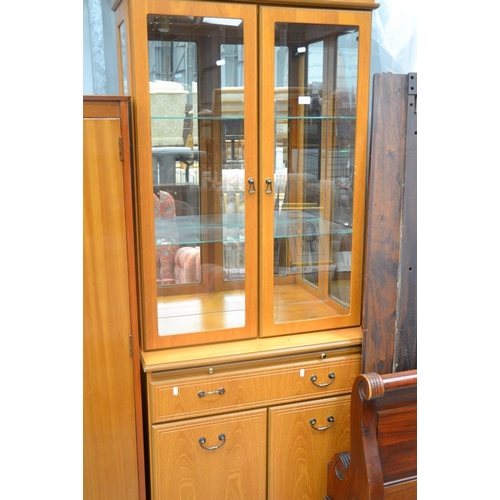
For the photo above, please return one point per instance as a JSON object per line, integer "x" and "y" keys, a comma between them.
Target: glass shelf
{"x": 316, "y": 118}
{"x": 237, "y": 118}
{"x": 198, "y": 118}
{"x": 194, "y": 230}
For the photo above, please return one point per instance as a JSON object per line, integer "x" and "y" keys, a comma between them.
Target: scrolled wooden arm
{"x": 373, "y": 386}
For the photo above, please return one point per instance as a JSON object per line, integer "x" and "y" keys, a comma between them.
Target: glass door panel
{"x": 198, "y": 105}
{"x": 314, "y": 87}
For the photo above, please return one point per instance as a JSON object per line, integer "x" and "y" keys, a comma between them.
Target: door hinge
{"x": 120, "y": 147}
{"x": 412, "y": 92}
{"x": 130, "y": 346}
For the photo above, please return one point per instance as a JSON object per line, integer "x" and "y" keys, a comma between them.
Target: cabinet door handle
{"x": 251, "y": 185}
{"x": 312, "y": 422}
{"x": 220, "y": 391}
{"x": 331, "y": 376}
{"x": 202, "y": 441}
{"x": 269, "y": 186}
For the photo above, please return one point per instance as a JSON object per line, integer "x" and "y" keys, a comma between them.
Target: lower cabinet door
{"x": 213, "y": 458}
{"x": 303, "y": 437}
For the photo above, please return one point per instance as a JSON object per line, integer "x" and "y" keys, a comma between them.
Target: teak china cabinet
{"x": 250, "y": 127}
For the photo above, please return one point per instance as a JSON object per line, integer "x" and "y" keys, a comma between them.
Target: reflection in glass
{"x": 315, "y": 110}
{"x": 197, "y": 138}
{"x": 123, "y": 45}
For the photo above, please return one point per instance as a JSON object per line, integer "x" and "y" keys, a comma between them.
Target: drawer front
{"x": 187, "y": 397}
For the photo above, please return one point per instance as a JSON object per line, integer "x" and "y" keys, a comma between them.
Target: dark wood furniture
{"x": 382, "y": 463}
{"x": 390, "y": 275}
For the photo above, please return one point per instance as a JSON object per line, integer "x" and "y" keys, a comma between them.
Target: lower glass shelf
{"x": 195, "y": 229}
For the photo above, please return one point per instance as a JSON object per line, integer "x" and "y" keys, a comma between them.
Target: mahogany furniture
{"x": 382, "y": 462}
{"x": 390, "y": 274}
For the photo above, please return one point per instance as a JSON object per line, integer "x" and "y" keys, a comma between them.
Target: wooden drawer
{"x": 186, "y": 394}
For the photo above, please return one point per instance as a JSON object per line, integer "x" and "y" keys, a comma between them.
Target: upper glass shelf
{"x": 197, "y": 118}
{"x": 277, "y": 118}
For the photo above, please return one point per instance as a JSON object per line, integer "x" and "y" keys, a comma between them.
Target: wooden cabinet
{"x": 256, "y": 429}
{"x": 251, "y": 126}
{"x": 235, "y": 455}
{"x": 113, "y": 455}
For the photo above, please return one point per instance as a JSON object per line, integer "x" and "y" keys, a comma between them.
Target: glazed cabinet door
{"x": 302, "y": 439}
{"x": 195, "y": 85}
{"x": 312, "y": 153}
{"x": 251, "y": 129}
{"x": 213, "y": 458}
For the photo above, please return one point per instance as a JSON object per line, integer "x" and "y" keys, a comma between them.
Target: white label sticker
{"x": 304, "y": 99}
{"x": 302, "y": 372}
{"x": 176, "y": 391}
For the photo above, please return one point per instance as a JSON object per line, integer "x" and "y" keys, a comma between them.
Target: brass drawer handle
{"x": 313, "y": 422}
{"x": 269, "y": 186}
{"x": 220, "y": 391}
{"x": 202, "y": 441}
{"x": 331, "y": 376}
{"x": 251, "y": 185}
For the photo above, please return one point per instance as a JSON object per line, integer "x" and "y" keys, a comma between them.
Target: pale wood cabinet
{"x": 257, "y": 429}
{"x": 113, "y": 455}
{"x": 250, "y": 131}
{"x": 250, "y": 135}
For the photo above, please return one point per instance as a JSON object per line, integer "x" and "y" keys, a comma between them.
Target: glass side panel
{"x": 196, "y": 71}
{"x": 315, "y": 121}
